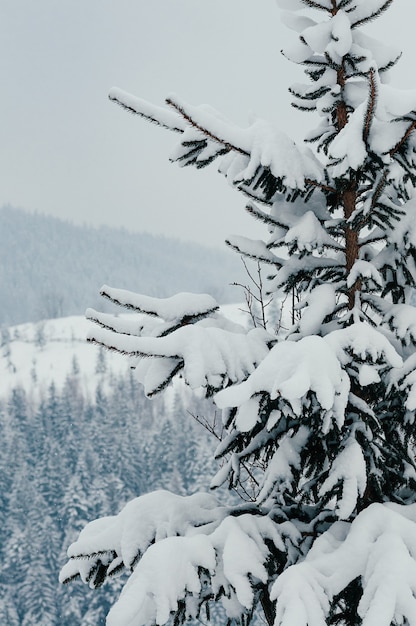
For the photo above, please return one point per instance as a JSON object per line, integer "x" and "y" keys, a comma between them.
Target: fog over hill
{"x": 51, "y": 268}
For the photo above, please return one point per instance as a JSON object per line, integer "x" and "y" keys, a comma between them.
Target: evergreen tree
{"x": 318, "y": 421}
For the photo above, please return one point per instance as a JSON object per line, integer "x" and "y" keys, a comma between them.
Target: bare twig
{"x": 211, "y": 428}
{"x": 251, "y": 297}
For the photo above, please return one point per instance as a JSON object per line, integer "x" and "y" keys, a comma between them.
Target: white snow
{"x": 240, "y": 542}
{"x": 350, "y": 469}
{"x": 287, "y": 214}
{"x": 39, "y": 354}
{"x": 255, "y": 248}
{"x": 290, "y": 370}
{"x": 402, "y": 318}
{"x": 382, "y": 52}
{"x": 364, "y": 270}
{"x": 144, "y": 520}
{"x": 397, "y": 102}
{"x": 366, "y": 343}
{"x": 174, "y": 308}
{"x": 167, "y": 572}
{"x": 379, "y": 545}
{"x": 348, "y": 145}
{"x": 332, "y": 36}
{"x": 279, "y": 471}
{"x": 261, "y": 143}
{"x": 362, "y": 9}
{"x": 210, "y": 355}
{"x": 165, "y": 117}
{"x": 182, "y": 548}
{"x": 320, "y": 303}
{"x": 367, "y": 375}
{"x": 176, "y": 537}
{"x": 298, "y": 23}
{"x": 308, "y": 234}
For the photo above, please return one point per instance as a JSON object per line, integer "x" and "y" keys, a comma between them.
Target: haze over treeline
{"x": 52, "y": 268}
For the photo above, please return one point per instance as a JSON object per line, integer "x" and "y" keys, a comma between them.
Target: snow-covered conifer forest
{"x": 78, "y": 436}
{"x": 317, "y": 418}
{"x": 78, "y": 439}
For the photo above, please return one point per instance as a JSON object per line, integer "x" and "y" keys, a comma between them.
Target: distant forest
{"x": 52, "y": 268}
{"x": 67, "y": 457}
{"x": 67, "y": 460}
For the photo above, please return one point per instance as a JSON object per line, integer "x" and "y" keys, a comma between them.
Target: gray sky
{"x": 67, "y": 151}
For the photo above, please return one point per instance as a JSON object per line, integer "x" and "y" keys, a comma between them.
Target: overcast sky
{"x": 67, "y": 151}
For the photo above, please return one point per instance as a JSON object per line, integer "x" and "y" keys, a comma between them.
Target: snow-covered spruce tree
{"x": 321, "y": 418}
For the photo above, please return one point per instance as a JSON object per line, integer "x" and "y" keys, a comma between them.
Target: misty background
{"x": 53, "y": 268}
{"x": 88, "y": 196}
{"x": 68, "y": 152}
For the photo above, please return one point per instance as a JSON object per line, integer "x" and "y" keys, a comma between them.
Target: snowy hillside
{"x": 35, "y": 355}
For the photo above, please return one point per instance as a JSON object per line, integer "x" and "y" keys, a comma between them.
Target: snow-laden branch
{"x": 379, "y": 548}
{"x": 183, "y": 550}
{"x": 211, "y": 356}
{"x": 207, "y": 135}
{"x": 158, "y": 115}
{"x": 122, "y": 539}
{"x": 177, "y": 307}
{"x": 262, "y": 144}
{"x": 291, "y": 370}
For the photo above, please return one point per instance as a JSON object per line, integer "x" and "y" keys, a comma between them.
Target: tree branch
{"x": 315, "y": 5}
{"x": 314, "y": 183}
{"x": 203, "y": 130}
{"x": 137, "y": 106}
{"x": 405, "y": 137}
{"x": 370, "y": 107}
{"x": 371, "y": 17}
